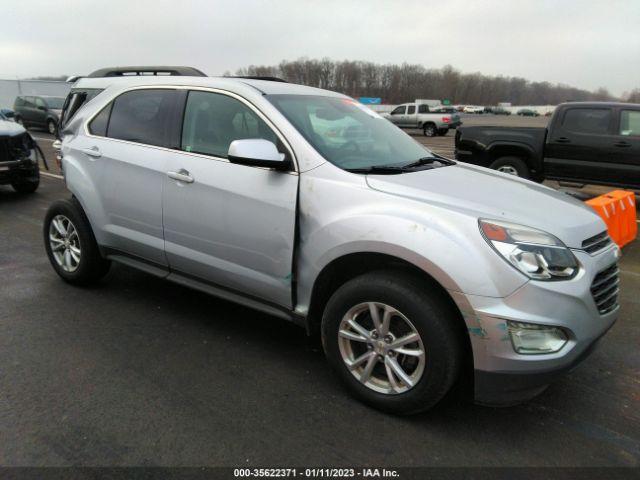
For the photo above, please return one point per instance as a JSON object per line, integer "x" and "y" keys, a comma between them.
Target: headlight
{"x": 535, "y": 253}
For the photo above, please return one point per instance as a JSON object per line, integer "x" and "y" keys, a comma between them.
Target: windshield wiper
{"x": 441, "y": 161}
{"x": 382, "y": 169}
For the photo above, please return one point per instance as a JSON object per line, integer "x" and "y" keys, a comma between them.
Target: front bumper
{"x": 18, "y": 170}
{"x": 503, "y": 376}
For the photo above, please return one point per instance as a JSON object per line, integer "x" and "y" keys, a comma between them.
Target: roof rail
{"x": 146, "y": 70}
{"x": 257, "y": 77}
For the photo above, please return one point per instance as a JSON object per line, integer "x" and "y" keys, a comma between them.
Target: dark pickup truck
{"x": 586, "y": 142}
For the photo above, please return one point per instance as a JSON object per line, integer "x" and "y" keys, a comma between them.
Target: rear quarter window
{"x": 100, "y": 122}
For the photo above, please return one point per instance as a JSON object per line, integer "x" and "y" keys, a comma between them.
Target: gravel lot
{"x": 137, "y": 371}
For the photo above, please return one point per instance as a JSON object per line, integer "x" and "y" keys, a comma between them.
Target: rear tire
{"x": 71, "y": 245}
{"x": 413, "y": 311}
{"x": 429, "y": 130}
{"x": 513, "y": 166}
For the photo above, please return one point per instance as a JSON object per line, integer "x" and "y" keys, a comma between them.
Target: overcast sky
{"x": 583, "y": 43}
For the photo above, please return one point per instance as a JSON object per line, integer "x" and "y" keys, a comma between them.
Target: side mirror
{"x": 257, "y": 152}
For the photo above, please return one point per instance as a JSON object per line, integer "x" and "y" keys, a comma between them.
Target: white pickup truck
{"x": 417, "y": 115}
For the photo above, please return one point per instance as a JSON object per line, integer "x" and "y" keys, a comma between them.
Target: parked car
{"x": 419, "y": 116}
{"x": 596, "y": 143}
{"x": 527, "y": 112}
{"x": 418, "y": 271}
{"x": 18, "y": 159}
{"x": 473, "y": 109}
{"x": 501, "y": 111}
{"x": 38, "y": 111}
{"x": 444, "y": 109}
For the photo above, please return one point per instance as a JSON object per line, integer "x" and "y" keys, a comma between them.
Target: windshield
{"x": 348, "y": 134}
{"x": 55, "y": 103}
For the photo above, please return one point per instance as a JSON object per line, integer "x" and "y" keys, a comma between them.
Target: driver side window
{"x": 399, "y": 110}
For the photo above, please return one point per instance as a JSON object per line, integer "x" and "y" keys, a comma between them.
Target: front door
{"x": 228, "y": 224}
{"x": 397, "y": 115}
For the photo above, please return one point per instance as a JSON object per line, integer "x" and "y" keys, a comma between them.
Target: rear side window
{"x": 212, "y": 121}
{"x": 412, "y": 109}
{"x": 142, "y": 116}
{"x": 423, "y": 108}
{"x": 630, "y": 123}
{"x": 100, "y": 122}
{"x": 587, "y": 120}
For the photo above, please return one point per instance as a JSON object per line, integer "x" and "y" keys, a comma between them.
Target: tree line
{"x": 402, "y": 83}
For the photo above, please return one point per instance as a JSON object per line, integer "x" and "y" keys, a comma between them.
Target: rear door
{"x": 40, "y": 113}
{"x": 128, "y": 154}
{"x": 578, "y": 145}
{"x": 625, "y": 147}
{"x": 228, "y": 224}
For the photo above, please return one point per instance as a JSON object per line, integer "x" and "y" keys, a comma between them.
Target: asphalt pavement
{"x": 138, "y": 371}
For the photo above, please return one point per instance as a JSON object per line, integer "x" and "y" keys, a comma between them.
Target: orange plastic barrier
{"x": 618, "y": 210}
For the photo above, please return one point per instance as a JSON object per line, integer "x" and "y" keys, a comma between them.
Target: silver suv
{"x": 418, "y": 271}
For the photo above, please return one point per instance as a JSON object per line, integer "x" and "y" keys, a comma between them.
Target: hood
{"x": 483, "y": 193}
{"x": 9, "y": 128}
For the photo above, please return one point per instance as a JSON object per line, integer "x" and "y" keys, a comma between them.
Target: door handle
{"x": 622, "y": 144}
{"x": 92, "y": 152}
{"x": 563, "y": 140}
{"x": 181, "y": 175}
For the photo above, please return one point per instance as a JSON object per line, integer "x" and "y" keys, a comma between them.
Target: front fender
{"x": 450, "y": 250}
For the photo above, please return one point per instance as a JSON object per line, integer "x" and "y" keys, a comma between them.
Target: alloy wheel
{"x": 511, "y": 170}
{"x": 381, "y": 348}
{"x": 65, "y": 243}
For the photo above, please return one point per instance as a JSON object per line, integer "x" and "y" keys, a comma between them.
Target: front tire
{"x": 395, "y": 346}
{"x": 71, "y": 245}
{"x": 429, "y": 130}
{"x": 513, "y": 166}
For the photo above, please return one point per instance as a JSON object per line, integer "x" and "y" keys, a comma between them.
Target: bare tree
{"x": 401, "y": 83}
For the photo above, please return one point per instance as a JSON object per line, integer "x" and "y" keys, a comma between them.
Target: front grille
{"x": 597, "y": 242}
{"x": 605, "y": 289}
{"x": 14, "y": 147}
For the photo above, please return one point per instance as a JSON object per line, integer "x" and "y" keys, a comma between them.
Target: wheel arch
{"x": 346, "y": 267}
{"x": 519, "y": 150}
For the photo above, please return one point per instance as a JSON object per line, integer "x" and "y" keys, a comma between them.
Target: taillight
{"x": 446, "y": 119}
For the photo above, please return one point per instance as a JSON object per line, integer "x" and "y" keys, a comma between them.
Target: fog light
{"x": 530, "y": 339}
